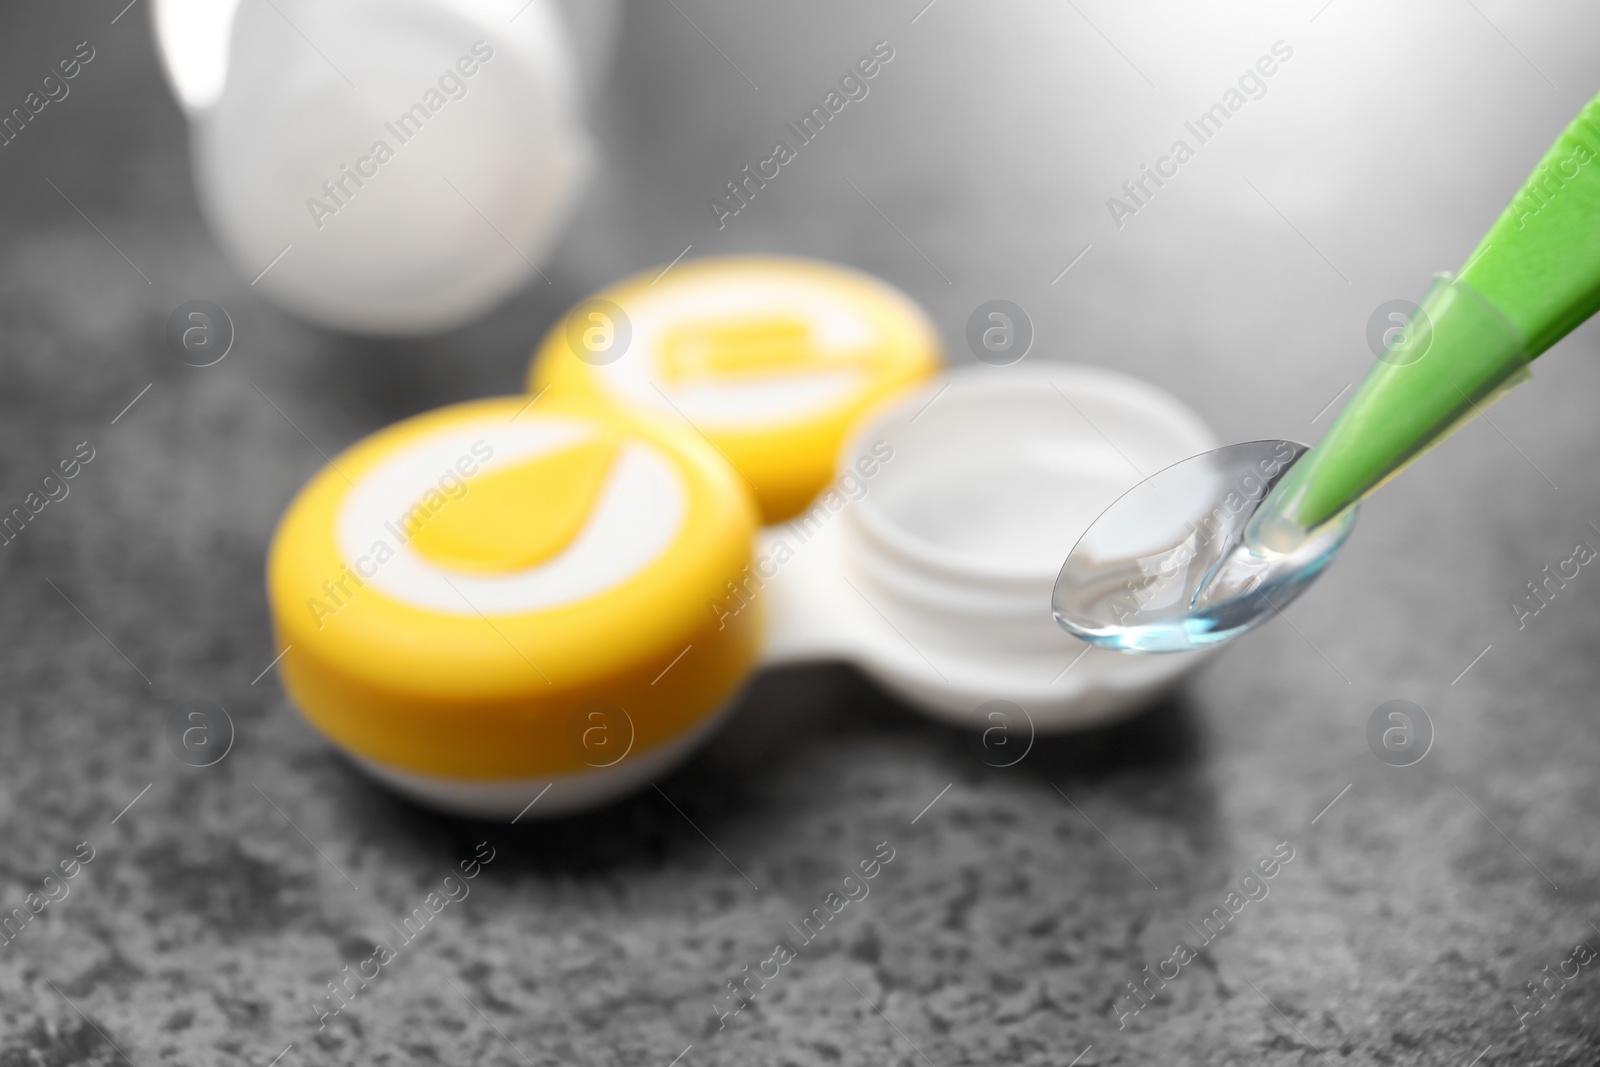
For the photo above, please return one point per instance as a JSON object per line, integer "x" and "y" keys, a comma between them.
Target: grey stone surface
{"x": 1415, "y": 908}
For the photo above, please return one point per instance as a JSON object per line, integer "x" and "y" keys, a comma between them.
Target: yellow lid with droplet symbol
{"x": 461, "y": 591}
{"x": 772, "y": 359}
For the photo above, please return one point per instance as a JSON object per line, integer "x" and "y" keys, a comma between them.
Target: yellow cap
{"x": 457, "y": 588}
{"x": 772, "y": 359}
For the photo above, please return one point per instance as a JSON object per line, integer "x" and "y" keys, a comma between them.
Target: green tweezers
{"x": 1534, "y": 278}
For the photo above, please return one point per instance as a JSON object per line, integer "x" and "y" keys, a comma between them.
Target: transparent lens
{"x": 1167, "y": 568}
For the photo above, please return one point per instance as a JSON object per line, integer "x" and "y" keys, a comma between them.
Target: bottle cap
{"x": 501, "y": 594}
{"x": 772, "y": 359}
{"x": 404, "y": 175}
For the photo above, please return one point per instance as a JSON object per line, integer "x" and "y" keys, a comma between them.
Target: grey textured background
{"x": 1416, "y": 907}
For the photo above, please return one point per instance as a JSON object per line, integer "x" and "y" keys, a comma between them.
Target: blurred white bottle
{"x": 387, "y": 166}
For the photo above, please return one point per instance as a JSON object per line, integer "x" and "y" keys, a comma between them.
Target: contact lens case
{"x": 930, "y": 562}
{"x": 494, "y": 598}
{"x": 741, "y": 462}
